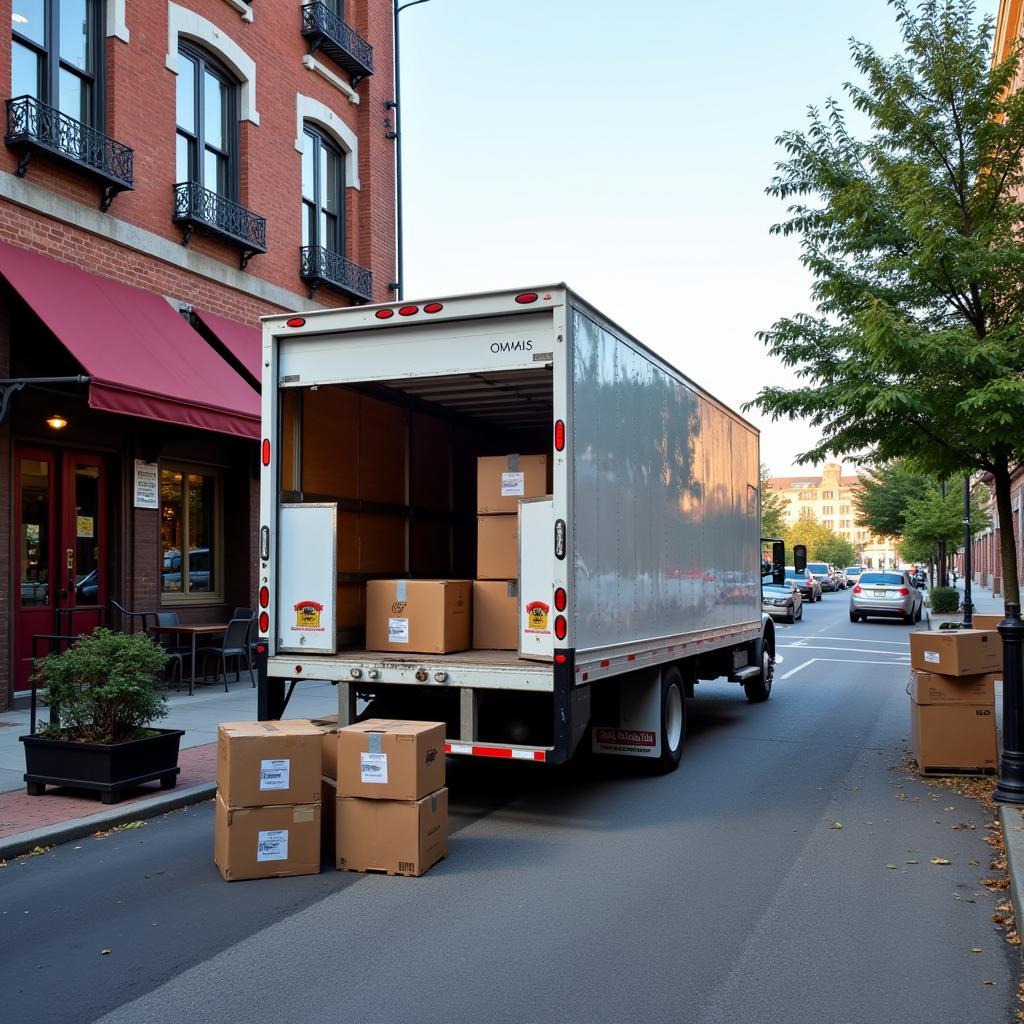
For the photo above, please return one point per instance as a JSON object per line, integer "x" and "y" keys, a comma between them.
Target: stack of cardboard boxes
{"x": 502, "y": 481}
{"x": 952, "y": 694}
{"x": 268, "y": 799}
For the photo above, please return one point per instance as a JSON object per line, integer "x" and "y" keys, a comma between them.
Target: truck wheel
{"x": 673, "y": 721}
{"x": 759, "y": 689}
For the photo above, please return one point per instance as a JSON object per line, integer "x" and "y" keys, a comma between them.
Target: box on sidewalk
{"x": 262, "y": 764}
{"x": 419, "y": 616}
{"x": 929, "y": 688}
{"x": 955, "y": 737}
{"x": 496, "y": 615}
{"x": 986, "y": 621}
{"x": 328, "y": 726}
{"x": 497, "y": 547}
{"x": 267, "y": 842}
{"x": 956, "y": 652}
{"x": 382, "y": 759}
{"x": 399, "y": 837}
{"x": 501, "y": 480}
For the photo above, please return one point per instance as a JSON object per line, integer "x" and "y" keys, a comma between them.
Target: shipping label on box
{"x": 497, "y": 547}
{"x": 391, "y": 760}
{"x": 260, "y": 764}
{"x": 419, "y": 616}
{"x": 956, "y": 652}
{"x": 266, "y": 842}
{"x": 502, "y": 480}
{"x": 399, "y": 837}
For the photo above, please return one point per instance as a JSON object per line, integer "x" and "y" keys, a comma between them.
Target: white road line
{"x": 793, "y": 671}
{"x": 850, "y": 650}
{"x": 862, "y": 640}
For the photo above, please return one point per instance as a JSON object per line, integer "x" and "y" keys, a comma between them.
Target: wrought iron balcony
{"x": 35, "y": 127}
{"x": 321, "y": 266}
{"x": 200, "y": 209}
{"x": 326, "y": 31}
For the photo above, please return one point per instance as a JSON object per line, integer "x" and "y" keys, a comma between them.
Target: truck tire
{"x": 673, "y": 721}
{"x": 759, "y": 689}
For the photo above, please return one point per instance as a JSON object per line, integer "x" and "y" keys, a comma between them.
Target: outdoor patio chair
{"x": 234, "y": 646}
{"x": 171, "y": 644}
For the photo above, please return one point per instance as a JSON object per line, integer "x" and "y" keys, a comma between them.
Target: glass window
{"x": 827, "y": 494}
{"x": 188, "y": 523}
{"x": 35, "y": 533}
{"x": 56, "y": 54}
{"x": 207, "y": 123}
{"x": 323, "y": 192}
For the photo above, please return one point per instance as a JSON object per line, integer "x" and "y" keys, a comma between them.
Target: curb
{"x": 64, "y": 831}
{"x": 1013, "y": 838}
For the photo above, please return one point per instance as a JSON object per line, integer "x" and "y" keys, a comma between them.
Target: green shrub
{"x": 106, "y": 687}
{"x": 944, "y": 599}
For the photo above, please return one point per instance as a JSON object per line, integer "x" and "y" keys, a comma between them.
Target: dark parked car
{"x": 820, "y": 571}
{"x": 783, "y": 601}
{"x": 810, "y": 588}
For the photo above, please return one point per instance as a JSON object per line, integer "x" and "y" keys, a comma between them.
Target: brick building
{"x": 172, "y": 172}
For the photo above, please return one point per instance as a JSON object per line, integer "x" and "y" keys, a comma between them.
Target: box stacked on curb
{"x": 953, "y": 722}
{"x": 990, "y": 622}
{"x": 269, "y": 790}
{"x": 391, "y": 812}
{"x": 956, "y": 652}
{"x": 328, "y": 726}
{"x": 419, "y": 616}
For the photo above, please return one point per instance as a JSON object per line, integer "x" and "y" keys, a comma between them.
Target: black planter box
{"x": 107, "y": 768}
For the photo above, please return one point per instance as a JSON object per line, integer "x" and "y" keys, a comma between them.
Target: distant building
{"x": 828, "y": 499}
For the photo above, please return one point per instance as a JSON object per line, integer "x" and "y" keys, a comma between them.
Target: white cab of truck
{"x": 635, "y": 571}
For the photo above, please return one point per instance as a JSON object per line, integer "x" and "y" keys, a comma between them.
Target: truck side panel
{"x": 665, "y": 517}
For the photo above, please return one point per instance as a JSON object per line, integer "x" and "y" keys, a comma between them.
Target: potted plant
{"x": 104, "y": 692}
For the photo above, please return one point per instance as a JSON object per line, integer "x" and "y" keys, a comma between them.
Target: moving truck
{"x": 639, "y": 563}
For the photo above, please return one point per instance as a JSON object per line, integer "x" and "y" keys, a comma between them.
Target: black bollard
{"x": 1011, "y": 765}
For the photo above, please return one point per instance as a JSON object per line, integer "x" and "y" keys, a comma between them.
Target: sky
{"x": 624, "y": 148}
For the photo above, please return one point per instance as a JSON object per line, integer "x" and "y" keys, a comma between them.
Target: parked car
{"x": 890, "y": 594}
{"x": 819, "y": 570}
{"x": 810, "y": 588}
{"x": 839, "y": 576}
{"x": 782, "y": 601}
{"x": 852, "y": 574}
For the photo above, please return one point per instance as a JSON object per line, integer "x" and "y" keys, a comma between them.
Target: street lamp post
{"x": 1010, "y": 788}
{"x": 398, "y": 285}
{"x": 968, "y": 569}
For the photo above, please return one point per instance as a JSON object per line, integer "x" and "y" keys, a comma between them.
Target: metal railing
{"x": 326, "y": 31}
{"x": 321, "y": 266}
{"x": 198, "y": 207}
{"x": 35, "y": 126}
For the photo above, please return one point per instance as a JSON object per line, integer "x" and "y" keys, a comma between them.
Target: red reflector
{"x": 560, "y": 599}
{"x": 261, "y": 648}
{"x": 384, "y": 314}
{"x": 856, "y": 589}
{"x": 559, "y": 436}
{"x": 264, "y": 622}
{"x": 264, "y": 596}
{"x": 408, "y": 310}
{"x": 266, "y": 451}
{"x": 298, "y": 669}
{"x": 297, "y": 321}
{"x": 433, "y": 307}
{"x": 561, "y": 659}
{"x": 561, "y": 627}
{"x": 526, "y": 297}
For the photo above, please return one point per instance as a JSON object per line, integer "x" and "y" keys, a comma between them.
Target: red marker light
{"x": 264, "y": 596}
{"x": 261, "y": 648}
{"x": 904, "y": 592}
{"x": 433, "y": 307}
{"x": 266, "y": 451}
{"x": 408, "y": 310}
{"x": 560, "y": 659}
{"x": 384, "y": 314}
{"x": 561, "y": 627}
{"x": 856, "y": 589}
{"x": 297, "y": 321}
{"x": 559, "y": 435}
{"x": 264, "y": 622}
{"x": 560, "y": 599}
{"x": 526, "y": 298}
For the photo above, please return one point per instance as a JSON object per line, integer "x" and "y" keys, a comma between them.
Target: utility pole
{"x": 968, "y": 539}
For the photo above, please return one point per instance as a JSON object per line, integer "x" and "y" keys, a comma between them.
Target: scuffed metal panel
{"x": 666, "y": 533}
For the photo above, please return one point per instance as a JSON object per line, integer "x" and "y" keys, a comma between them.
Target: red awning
{"x": 141, "y": 356}
{"x": 243, "y": 342}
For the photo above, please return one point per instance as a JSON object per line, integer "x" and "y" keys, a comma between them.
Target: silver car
{"x": 782, "y": 601}
{"x": 889, "y": 594}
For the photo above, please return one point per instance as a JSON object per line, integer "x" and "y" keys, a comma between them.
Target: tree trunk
{"x": 1007, "y": 540}
{"x": 943, "y": 567}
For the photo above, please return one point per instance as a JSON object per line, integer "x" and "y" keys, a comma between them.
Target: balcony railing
{"x": 198, "y": 208}
{"x": 326, "y": 31}
{"x": 321, "y": 266}
{"x": 35, "y": 127}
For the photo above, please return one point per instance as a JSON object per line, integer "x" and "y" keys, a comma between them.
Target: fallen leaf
{"x": 891, "y": 867}
{"x": 940, "y": 860}
{"x": 913, "y": 862}
{"x": 104, "y": 952}
{"x": 988, "y": 983}
{"x": 836, "y": 824}
{"x": 999, "y": 919}
{"x": 976, "y": 949}
{"x": 901, "y": 796}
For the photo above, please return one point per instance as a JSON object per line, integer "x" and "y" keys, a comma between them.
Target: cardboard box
{"x": 419, "y": 616}
{"x": 956, "y": 652}
{"x": 328, "y": 817}
{"x": 501, "y": 480}
{"x": 399, "y": 837}
{"x": 496, "y": 615}
{"x": 264, "y": 764}
{"x": 328, "y": 726}
{"x": 390, "y": 760}
{"x": 929, "y": 688}
{"x": 267, "y": 842}
{"x": 986, "y": 621}
{"x": 954, "y": 736}
{"x": 497, "y": 547}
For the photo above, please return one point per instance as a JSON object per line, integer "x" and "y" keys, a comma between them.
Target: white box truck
{"x": 639, "y": 570}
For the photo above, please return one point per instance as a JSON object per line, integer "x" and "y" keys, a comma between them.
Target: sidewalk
{"x": 60, "y": 815}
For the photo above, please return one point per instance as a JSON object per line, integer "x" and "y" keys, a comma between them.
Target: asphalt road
{"x": 725, "y": 892}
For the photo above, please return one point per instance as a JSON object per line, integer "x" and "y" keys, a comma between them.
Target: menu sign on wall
{"x": 147, "y": 484}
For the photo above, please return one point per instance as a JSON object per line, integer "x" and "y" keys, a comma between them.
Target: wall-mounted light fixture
{"x": 56, "y": 421}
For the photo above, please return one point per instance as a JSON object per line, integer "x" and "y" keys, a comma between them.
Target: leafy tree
{"x": 934, "y": 521}
{"x": 884, "y": 493}
{"x": 823, "y": 545}
{"x": 912, "y": 237}
{"x": 773, "y": 507}
{"x": 837, "y": 551}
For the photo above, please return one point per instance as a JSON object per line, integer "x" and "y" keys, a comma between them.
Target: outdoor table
{"x": 193, "y": 630}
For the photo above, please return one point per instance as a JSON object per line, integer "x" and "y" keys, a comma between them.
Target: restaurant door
{"x": 60, "y": 538}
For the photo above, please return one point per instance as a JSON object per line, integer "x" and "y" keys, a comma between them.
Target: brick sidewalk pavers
{"x": 20, "y": 812}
